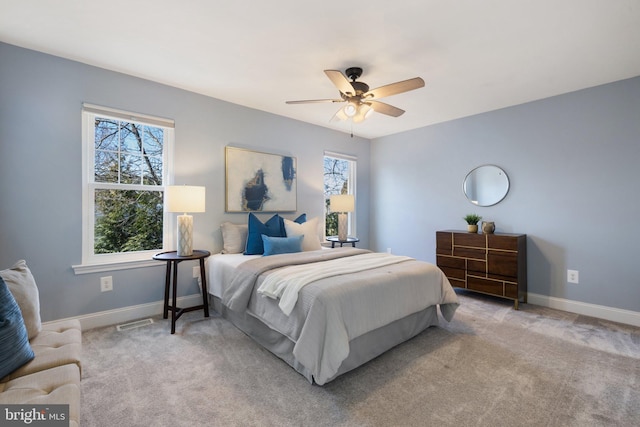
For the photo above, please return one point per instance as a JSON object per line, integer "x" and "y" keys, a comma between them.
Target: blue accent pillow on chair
{"x": 282, "y": 245}
{"x": 274, "y": 227}
{"x": 15, "y": 349}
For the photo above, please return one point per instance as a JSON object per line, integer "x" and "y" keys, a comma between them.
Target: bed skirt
{"x": 361, "y": 349}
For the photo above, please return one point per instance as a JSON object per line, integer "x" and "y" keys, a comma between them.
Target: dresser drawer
{"x": 477, "y": 266}
{"x": 465, "y": 252}
{"x": 493, "y": 287}
{"x": 503, "y": 263}
{"x": 444, "y": 243}
{"x": 511, "y": 290}
{"x": 496, "y": 241}
{"x": 454, "y": 273}
{"x": 447, "y": 261}
{"x": 470, "y": 239}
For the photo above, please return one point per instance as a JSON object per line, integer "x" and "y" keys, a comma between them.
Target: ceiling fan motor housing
{"x": 360, "y": 87}
{"x": 354, "y": 73}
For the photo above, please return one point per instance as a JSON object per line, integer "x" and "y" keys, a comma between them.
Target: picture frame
{"x": 259, "y": 182}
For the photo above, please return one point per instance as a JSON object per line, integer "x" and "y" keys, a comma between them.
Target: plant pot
{"x": 472, "y": 228}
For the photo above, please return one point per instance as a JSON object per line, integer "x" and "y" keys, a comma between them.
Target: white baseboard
{"x": 127, "y": 314}
{"x": 627, "y": 317}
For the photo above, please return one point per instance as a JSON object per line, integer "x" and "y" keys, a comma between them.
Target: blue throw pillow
{"x": 281, "y": 245}
{"x": 15, "y": 349}
{"x": 274, "y": 227}
{"x": 301, "y": 219}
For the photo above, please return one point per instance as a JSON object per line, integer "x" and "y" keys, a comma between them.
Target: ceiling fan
{"x": 360, "y": 100}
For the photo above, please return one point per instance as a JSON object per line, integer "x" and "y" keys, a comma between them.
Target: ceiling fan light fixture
{"x": 350, "y": 109}
{"x": 363, "y": 112}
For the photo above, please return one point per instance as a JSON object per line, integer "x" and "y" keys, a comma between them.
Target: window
{"x": 126, "y": 166}
{"x": 339, "y": 178}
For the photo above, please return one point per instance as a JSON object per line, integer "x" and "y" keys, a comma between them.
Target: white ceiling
{"x": 475, "y": 56}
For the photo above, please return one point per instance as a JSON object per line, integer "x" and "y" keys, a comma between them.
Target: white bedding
{"x": 221, "y": 267}
{"x": 220, "y": 270}
{"x": 285, "y": 283}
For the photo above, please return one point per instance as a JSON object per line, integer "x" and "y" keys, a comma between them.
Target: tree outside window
{"x": 127, "y": 219}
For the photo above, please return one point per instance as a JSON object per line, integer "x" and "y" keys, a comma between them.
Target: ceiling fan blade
{"x": 394, "y": 88}
{"x": 341, "y": 82}
{"x": 389, "y": 110}
{"x": 314, "y": 101}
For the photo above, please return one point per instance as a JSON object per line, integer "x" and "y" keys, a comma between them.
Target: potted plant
{"x": 472, "y": 222}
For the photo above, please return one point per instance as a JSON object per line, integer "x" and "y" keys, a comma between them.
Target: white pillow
{"x": 25, "y": 291}
{"x": 234, "y": 237}
{"x": 308, "y": 229}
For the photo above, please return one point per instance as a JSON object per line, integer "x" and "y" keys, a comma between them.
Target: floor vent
{"x": 133, "y": 325}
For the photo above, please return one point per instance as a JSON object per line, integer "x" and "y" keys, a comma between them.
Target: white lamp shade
{"x": 184, "y": 198}
{"x": 342, "y": 203}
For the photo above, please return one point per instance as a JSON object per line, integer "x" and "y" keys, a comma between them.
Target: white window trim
{"x": 93, "y": 263}
{"x": 351, "y": 217}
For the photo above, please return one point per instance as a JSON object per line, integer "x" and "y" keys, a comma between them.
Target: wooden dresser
{"x": 494, "y": 264}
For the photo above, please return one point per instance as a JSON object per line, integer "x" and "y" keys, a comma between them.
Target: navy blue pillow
{"x": 15, "y": 349}
{"x": 301, "y": 219}
{"x": 282, "y": 245}
{"x": 274, "y": 227}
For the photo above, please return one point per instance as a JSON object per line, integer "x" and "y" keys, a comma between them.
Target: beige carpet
{"x": 491, "y": 366}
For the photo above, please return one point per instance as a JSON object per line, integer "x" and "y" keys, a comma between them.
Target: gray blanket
{"x": 331, "y": 312}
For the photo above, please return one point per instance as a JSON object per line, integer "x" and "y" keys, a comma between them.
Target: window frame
{"x": 92, "y": 262}
{"x": 351, "y": 188}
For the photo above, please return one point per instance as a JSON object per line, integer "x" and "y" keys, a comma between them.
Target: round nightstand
{"x": 334, "y": 240}
{"x": 172, "y": 259}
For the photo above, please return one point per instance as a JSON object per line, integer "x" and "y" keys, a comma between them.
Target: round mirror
{"x": 486, "y": 185}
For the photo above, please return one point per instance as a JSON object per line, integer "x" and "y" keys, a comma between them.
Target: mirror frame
{"x": 501, "y": 184}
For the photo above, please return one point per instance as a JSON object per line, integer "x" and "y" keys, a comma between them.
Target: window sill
{"x": 112, "y": 266}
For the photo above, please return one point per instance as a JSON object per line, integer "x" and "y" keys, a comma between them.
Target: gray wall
{"x": 573, "y": 164}
{"x": 41, "y": 158}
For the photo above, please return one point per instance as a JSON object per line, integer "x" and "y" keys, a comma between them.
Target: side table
{"x": 172, "y": 259}
{"x": 335, "y": 239}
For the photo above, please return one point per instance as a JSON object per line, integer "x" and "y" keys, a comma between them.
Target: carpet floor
{"x": 491, "y": 366}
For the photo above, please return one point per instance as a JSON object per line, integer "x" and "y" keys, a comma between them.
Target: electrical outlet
{"x": 106, "y": 284}
{"x": 572, "y": 276}
{"x": 196, "y": 272}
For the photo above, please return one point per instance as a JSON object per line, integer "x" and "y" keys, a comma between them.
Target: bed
{"x": 328, "y": 311}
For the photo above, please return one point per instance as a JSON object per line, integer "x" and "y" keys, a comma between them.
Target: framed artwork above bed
{"x": 259, "y": 182}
